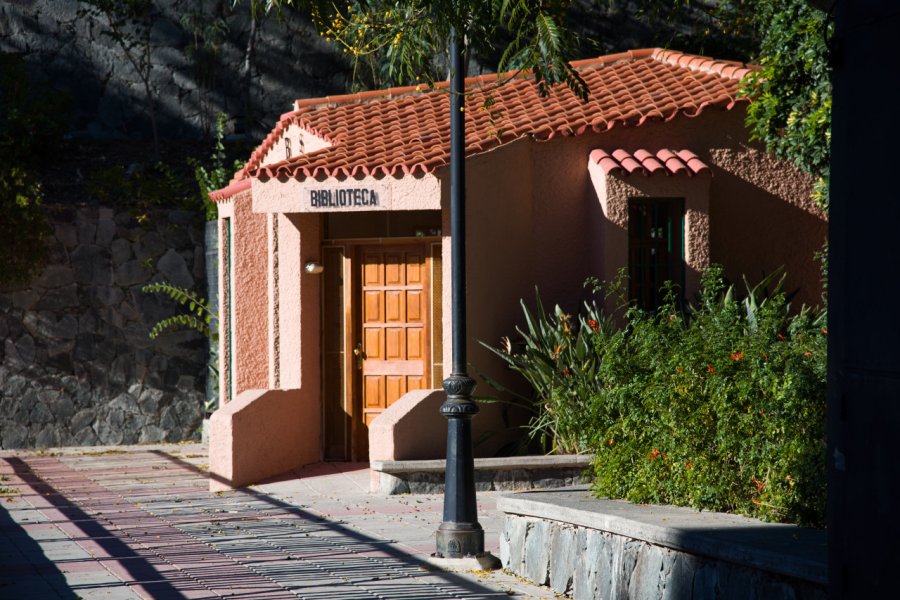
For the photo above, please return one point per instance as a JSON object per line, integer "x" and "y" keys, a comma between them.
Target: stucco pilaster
{"x": 249, "y": 297}
{"x": 226, "y": 382}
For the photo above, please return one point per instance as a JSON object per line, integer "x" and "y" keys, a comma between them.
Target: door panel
{"x": 415, "y": 344}
{"x": 414, "y": 306}
{"x": 374, "y": 391}
{"x": 374, "y": 304}
{"x": 395, "y": 348}
{"x": 393, "y": 300}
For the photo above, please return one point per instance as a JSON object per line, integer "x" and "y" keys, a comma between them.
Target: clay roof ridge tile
{"x": 606, "y": 162}
{"x": 648, "y": 161}
{"x": 628, "y": 161}
{"x": 694, "y": 163}
{"x": 674, "y": 165}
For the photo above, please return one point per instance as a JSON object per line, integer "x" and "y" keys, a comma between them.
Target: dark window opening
{"x": 655, "y": 249}
{"x": 382, "y": 224}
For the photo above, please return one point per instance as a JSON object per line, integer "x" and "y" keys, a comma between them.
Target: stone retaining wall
{"x": 76, "y": 364}
{"x": 667, "y": 553}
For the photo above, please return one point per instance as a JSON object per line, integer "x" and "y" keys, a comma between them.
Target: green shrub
{"x": 31, "y": 124}
{"x": 214, "y": 175}
{"x": 720, "y": 408}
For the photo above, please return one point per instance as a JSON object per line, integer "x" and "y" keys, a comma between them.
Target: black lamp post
{"x": 460, "y": 534}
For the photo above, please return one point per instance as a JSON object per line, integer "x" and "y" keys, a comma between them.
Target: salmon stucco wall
{"x": 259, "y": 434}
{"x": 500, "y": 245}
{"x": 412, "y": 428}
{"x": 249, "y": 297}
{"x": 534, "y": 218}
{"x": 760, "y": 214}
{"x": 264, "y": 432}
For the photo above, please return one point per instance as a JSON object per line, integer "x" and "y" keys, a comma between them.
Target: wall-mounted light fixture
{"x": 314, "y": 268}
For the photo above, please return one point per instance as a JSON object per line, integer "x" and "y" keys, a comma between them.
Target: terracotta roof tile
{"x": 402, "y": 130}
{"x": 644, "y": 162}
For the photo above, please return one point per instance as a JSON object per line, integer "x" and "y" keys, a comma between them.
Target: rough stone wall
{"x": 76, "y": 364}
{"x": 289, "y": 59}
{"x": 588, "y": 563}
{"x": 200, "y": 65}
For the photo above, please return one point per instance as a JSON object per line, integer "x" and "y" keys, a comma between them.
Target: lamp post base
{"x": 459, "y": 540}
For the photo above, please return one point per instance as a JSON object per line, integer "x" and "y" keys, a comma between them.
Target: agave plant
{"x": 556, "y": 356}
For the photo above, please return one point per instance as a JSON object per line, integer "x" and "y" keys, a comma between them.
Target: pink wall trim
{"x": 410, "y": 428}
{"x": 413, "y": 429}
{"x": 410, "y": 192}
{"x": 262, "y": 433}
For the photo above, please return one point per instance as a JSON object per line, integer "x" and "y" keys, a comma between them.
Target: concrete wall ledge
{"x": 491, "y": 474}
{"x": 703, "y": 554}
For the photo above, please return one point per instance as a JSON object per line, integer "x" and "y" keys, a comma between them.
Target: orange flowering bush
{"x": 719, "y": 406}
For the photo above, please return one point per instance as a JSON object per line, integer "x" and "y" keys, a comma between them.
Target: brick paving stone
{"x": 140, "y": 523}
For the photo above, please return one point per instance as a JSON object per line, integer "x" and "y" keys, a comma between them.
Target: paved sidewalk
{"x": 138, "y": 522}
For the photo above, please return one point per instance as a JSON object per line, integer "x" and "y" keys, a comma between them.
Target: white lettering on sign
{"x": 344, "y": 198}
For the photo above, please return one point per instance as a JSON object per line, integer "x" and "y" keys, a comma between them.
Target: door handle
{"x": 359, "y": 354}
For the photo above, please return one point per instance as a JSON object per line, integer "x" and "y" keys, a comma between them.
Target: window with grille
{"x": 655, "y": 248}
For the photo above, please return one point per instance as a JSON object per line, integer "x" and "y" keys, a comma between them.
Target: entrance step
{"x": 509, "y": 473}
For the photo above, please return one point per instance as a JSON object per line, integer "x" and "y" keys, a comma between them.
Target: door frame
{"x": 350, "y": 397}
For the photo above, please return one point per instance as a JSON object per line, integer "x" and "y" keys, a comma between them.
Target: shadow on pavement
{"x": 25, "y": 572}
{"x": 139, "y": 568}
{"x": 345, "y": 554}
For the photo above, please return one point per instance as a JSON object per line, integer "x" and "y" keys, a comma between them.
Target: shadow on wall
{"x": 198, "y": 67}
{"x": 756, "y": 238}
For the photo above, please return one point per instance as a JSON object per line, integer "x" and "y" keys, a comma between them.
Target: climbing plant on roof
{"x": 791, "y": 92}
{"x": 791, "y": 111}
{"x": 404, "y": 40}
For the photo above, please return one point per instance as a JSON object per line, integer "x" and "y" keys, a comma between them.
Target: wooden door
{"x": 392, "y": 348}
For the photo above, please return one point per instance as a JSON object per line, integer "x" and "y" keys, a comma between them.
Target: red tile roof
{"x": 644, "y": 162}
{"x": 404, "y": 130}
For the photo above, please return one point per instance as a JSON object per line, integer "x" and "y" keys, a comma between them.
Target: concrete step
{"x": 508, "y": 473}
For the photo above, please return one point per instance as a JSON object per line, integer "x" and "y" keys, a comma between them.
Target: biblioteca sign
{"x": 345, "y": 198}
